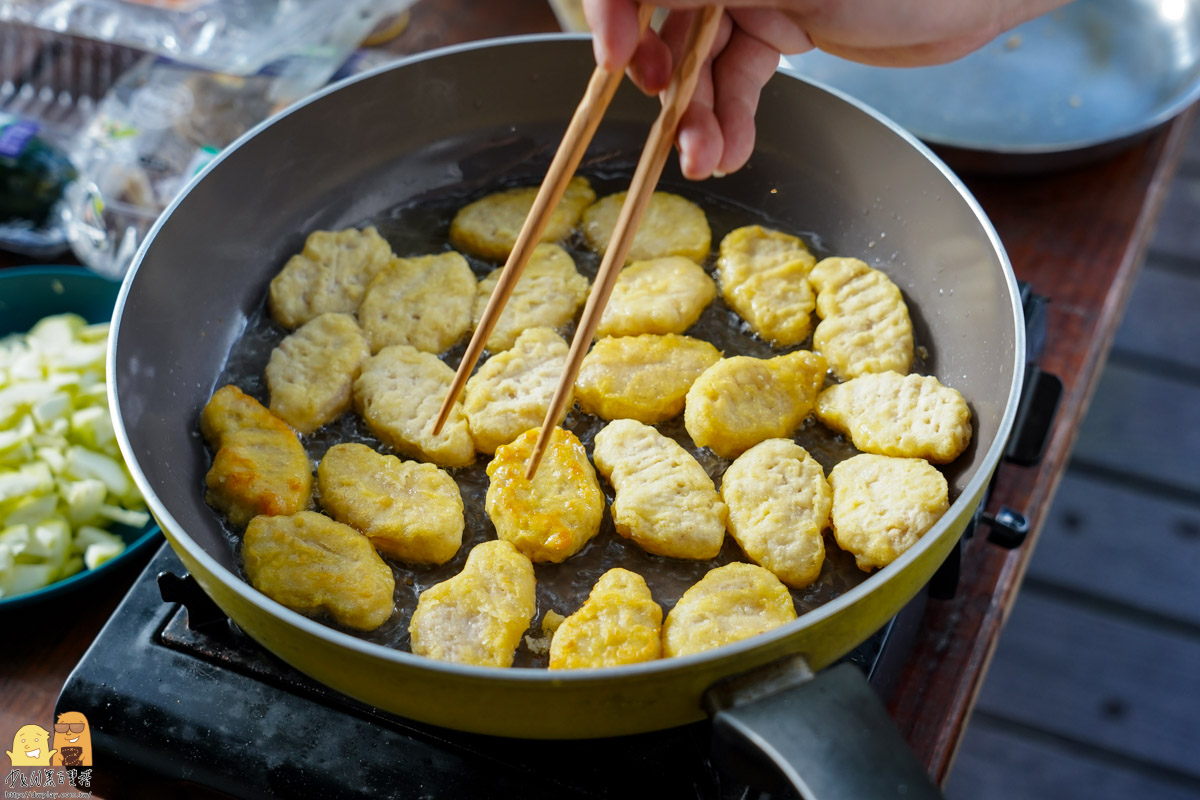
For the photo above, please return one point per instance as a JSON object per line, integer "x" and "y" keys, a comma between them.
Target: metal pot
{"x": 469, "y": 116}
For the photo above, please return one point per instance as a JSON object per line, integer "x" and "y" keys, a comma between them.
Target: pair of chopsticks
{"x": 600, "y": 90}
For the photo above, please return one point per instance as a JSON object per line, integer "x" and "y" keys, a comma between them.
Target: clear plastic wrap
{"x": 238, "y": 37}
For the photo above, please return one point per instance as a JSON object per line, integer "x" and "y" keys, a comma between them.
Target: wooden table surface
{"x": 1078, "y": 236}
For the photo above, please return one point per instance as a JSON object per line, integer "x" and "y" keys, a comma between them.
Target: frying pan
{"x": 471, "y": 116}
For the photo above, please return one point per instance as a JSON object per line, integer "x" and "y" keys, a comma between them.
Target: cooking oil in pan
{"x": 420, "y": 227}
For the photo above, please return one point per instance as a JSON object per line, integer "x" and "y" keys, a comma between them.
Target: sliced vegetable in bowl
{"x": 68, "y": 507}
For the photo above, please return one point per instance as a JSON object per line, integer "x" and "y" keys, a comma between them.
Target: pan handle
{"x": 827, "y": 736}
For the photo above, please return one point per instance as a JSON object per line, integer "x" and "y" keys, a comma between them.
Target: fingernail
{"x": 716, "y": 173}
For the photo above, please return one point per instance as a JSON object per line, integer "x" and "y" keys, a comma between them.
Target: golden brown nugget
{"x": 479, "y": 615}
{"x": 730, "y": 603}
{"x": 409, "y": 511}
{"x": 665, "y": 501}
{"x": 488, "y": 227}
{"x": 882, "y": 505}
{"x": 618, "y": 624}
{"x": 259, "y": 467}
{"x": 424, "y": 301}
{"x": 642, "y": 377}
{"x": 741, "y": 401}
{"x": 310, "y": 375}
{"x": 764, "y": 278}
{"x": 399, "y": 394}
{"x": 908, "y": 416}
{"x": 864, "y": 325}
{"x": 313, "y": 565}
{"x": 662, "y": 295}
{"x": 330, "y": 275}
{"x": 672, "y": 226}
{"x": 779, "y": 504}
{"x": 512, "y": 391}
{"x": 549, "y": 293}
{"x": 551, "y": 517}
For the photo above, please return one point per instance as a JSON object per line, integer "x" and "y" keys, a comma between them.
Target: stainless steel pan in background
{"x": 463, "y": 119}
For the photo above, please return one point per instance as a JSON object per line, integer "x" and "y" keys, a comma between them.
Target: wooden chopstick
{"x": 599, "y": 93}
{"x": 675, "y": 100}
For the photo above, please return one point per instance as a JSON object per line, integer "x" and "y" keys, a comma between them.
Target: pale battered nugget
{"x": 410, "y": 511}
{"x": 312, "y": 564}
{"x": 259, "y": 467}
{"x": 779, "y": 504}
{"x": 764, "y": 278}
{"x": 662, "y": 295}
{"x": 399, "y": 393}
{"x": 488, "y": 227}
{"x": 665, "y": 501}
{"x": 425, "y": 302}
{"x": 671, "y": 226}
{"x": 331, "y": 274}
{"x": 864, "y": 325}
{"x": 479, "y": 615}
{"x": 310, "y": 375}
{"x": 618, "y": 624}
{"x": 882, "y": 505}
{"x": 551, "y": 517}
{"x": 908, "y": 416}
{"x": 512, "y": 391}
{"x": 741, "y": 401}
{"x": 642, "y": 377}
{"x": 549, "y": 293}
{"x": 730, "y": 603}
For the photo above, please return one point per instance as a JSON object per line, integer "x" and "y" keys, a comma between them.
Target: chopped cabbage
{"x": 62, "y": 478}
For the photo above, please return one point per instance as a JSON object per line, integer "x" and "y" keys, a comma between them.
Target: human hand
{"x": 716, "y": 133}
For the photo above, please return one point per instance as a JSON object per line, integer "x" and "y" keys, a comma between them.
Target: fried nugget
{"x": 259, "y": 467}
{"x": 399, "y": 394}
{"x": 618, "y": 624}
{"x": 410, "y": 511}
{"x": 764, "y": 278}
{"x": 512, "y": 391}
{"x": 665, "y": 501}
{"x": 548, "y": 295}
{"x": 662, "y": 295}
{"x": 730, "y": 603}
{"x": 741, "y": 401}
{"x": 551, "y": 517}
{"x": 671, "y": 226}
{"x": 310, "y": 375}
{"x": 882, "y": 505}
{"x": 642, "y": 377}
{"x": 864, "y": 325}
{"x": 331, "y": 274}
{"x": 425, "y": 302}
{"x": 908, "y": 416}
{"x": 312, "y": 564}
{"x": 479, "y": 615}
{"x": 779, "y": 504}
{"x": 488, "y": 227}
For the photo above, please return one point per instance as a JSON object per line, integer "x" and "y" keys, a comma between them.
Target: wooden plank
{"x": 1143, "y": 425}
{"x": 996, "y": 763}
{"x": 1081, "y": 244}
{"x": 1115, "y": 542}
{"x": 1177, "y": 234}
{"x": 1162, "y": 320}
{"x": 1098, "y": 680}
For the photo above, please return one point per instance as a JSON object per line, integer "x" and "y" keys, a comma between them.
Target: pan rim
{"x": 679, "y": 664}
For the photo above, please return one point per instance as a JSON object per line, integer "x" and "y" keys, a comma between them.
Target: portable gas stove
{"x": 174, "y": 689}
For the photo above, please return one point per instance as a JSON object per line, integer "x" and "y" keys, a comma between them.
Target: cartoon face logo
{"x": 31, "y": 747}
{"x": 72, "y": 740}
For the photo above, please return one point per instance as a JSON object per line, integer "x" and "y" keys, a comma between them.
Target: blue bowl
{"x": 27, "y": 294}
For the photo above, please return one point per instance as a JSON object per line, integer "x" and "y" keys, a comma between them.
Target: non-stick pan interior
{"x": 481, "y": 115}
